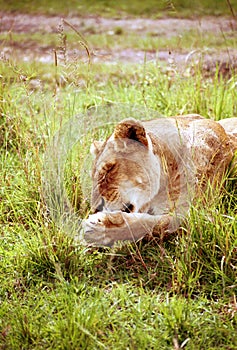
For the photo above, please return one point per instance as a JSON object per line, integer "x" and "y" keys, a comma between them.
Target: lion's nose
{"x": 128, "y": 208}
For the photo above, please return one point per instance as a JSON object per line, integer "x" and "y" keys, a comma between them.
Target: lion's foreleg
{"x": 105, "y": 228}
{"x": 166, "y": 225}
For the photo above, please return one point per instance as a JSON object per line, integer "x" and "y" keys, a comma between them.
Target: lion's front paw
{"x": 103, "y": 228}
{"x": 94, "y": 223}
{"x": 106, "y": 228}
{"x": 95, "y": 219}
{"x": 103, "y": 220}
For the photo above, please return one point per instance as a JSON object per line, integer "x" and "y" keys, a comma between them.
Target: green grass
{"x": 56, "y": 293}
{"x": 114, "y": 8}
{"x": 190, "y": 39}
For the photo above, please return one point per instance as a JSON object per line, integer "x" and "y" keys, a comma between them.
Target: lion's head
{"x": 126, "y": 173}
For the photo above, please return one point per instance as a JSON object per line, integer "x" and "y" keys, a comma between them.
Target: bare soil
{"x": 24, "y": 23}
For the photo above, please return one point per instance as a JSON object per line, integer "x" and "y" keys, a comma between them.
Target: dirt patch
{"x": 23, "y": 23}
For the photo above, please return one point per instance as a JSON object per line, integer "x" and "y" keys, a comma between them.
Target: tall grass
{"x": 58, "y": 294}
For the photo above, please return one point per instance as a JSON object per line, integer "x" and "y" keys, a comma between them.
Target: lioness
{"x": 146, "y": 174}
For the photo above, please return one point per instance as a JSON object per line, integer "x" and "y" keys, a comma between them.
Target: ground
{"x": 159, "y": 30}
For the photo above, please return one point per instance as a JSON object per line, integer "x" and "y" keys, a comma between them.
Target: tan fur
{"x": 147, "y": 173}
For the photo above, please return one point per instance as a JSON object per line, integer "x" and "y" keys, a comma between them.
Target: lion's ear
{"x": 96, "y": 147}
{"x": 131, "y": 129}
